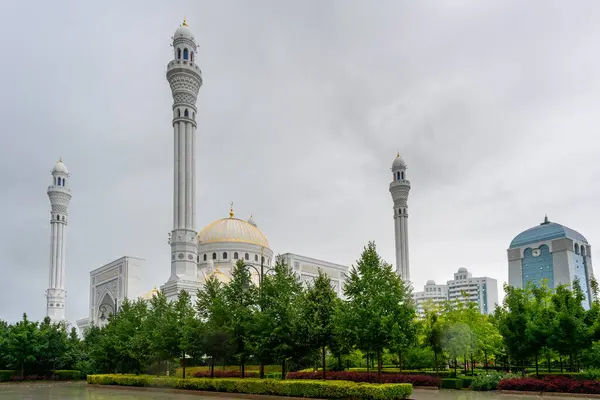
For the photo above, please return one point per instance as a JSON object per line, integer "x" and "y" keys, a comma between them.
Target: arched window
{"x": 178, "y": 112}
{"x": 583, "y": 250}
{"x": 179, "y": 54}
{"x": 214, "y": 256}
{"x": 204, "y": 257}
{"x": 64, "y": 181}
{"x": 576, "y": 248}
{"x": 185, "y": 54}
{"x": 192, "y": 56}
{"x": 402, "y": 175}
{"x": 247, "y": 256}
{"x": 398, "y": 175}
{"x": 224, "y": 256}
{"x": 235, "y": 256}
{"x": 186, "y": 113}
{"x": 256, "y": 258}
{"x": 55, "y": 180}
{"x": 262, "y": 260}
{"x": 58, "y": 217}
{"x": 59, "y": 182}
{"x": 63, "y": 218}
{"x": 193, "y": 115}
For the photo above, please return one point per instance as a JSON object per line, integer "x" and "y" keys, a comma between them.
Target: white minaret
{"x": 399, "y": 188}
{"x": 185, "y": 79}
{"x": 59, "y": 193}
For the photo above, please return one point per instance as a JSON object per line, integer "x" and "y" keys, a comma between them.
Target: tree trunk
{"x": 472, "y": 365}
{"x": 183, "y": 366}
{"x": 158, "y": 367}
{"x": 212, "y": 367}
{"x": 261, "y": 370}
{"x": 324, "y": 364}
{"x": 523, "y": 368}
{"x": 243, "y": 367}
{"x": 435, "y": 365}
{"x": 485, "y": 361}
{"x": 368, "y": 365}
{"x": 561, "y": 365}
{"x": 283, "y": 369}
{"x": 401, "y": 360}
{"x": 465, "y": 363}
{"x": 378, "y": 365}
{"x": 23, "y": 371}
{"x": 455, "y": 367}
{"x": 549, "y": 365}
{"x": 537, "y": 371}
{"x": 340, "y": 366}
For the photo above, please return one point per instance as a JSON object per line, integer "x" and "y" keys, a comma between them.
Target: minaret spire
{"x": 59, "y": 193}
{"x": 399, "y": 189}
{"x": 185, "y": 78}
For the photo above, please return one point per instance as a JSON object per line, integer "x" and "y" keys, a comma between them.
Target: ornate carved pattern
{"x": 307, "y": 279}
{"x": 59, "y": 208}
{"x": 107, "y": 287}
{"x": 182, "y": 97}
{"x": 181, "y": 82}
{"x": 335, "y": 285}
{"x": 190, "y": 256}
{"x": 180, "y": 256}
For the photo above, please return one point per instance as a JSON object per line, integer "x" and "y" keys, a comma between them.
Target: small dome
{"x": 251, "y": 220}
{"x": 462, "y": 269}
{"x": 183, "y": 31}
{"x": 398, "y": 163}
{"x": 60, "y": 167}
{"x": 545, "y": 231}
{"x": 430, "y": 282}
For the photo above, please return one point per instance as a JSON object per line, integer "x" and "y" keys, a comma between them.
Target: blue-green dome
{"x": 545, "y": 231}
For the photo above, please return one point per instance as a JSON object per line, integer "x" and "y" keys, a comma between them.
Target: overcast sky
{"x": 494, "y": 106}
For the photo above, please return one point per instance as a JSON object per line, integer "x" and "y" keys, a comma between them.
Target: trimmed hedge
{"x": 575, "y": 375}
{"x": 467, "y": 381}
{"x": 452, "y": 383}
{"x": 370, "y": 377}
{"x": 440, "y": 374}
{"x": 290, "y": 388}
{"x": 557, "y": 384}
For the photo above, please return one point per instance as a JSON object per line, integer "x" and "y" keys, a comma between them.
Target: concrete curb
{"x": 549, "y": 394}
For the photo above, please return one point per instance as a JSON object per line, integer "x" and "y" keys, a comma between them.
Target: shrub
{"x": 558, "y": 384}
{"x": 489, "y": 381}
{"x": 370, "y": 377}
{"x": 226, "y": 374}
{"x": 66, "y": 375}
{"x": 575, "y": 375}
{"x": 293, "y": 388}
{"x": 6, "y": 375}
{"x": 589, "y": 374}
{"x": 467, "y": 380}
{"x": 452, "y": 383}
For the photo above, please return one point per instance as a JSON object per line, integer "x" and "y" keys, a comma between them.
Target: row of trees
{"x": 282, "y": 321}
{"x": 35, "y": 348}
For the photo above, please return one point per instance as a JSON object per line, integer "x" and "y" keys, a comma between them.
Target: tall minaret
{"x": 59, "y": 193}
{"x": 185, "y": 79}
{"x": 399, "y": 188}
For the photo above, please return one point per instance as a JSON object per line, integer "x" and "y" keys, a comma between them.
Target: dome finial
{"x": 231, "y": 210}
{"x": 398, "y": 154}
{"x": 184, "y": 21}
{"x": 60, "y": 160}
{"x": 546, "y": 222}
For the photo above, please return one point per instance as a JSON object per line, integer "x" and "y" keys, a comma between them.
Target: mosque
{"x": 195, "y": 256}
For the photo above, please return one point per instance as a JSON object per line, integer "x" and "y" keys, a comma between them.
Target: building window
{"x": 179, "y": 54}
{"x": 256, "y": 257}
{"x": 247, "y": 256}
{"x": 178, "y": 112}
{"x": 59, "y": 181}
{"x": 185, "y": 54}
{"x": 192, "y": 56}
{"x": 235, "y": 256}
{"x": 186, "y": 113}
{"x": 205, "y": 257}
{"x": 583, "y": 250}
{"x": 214, "y": 256}
{"x": 398, "y": 175}
{"x": 576, "y": 245}
{"x": 224, "y": 256}
{"x": 402, "y": 175}
{"x": 55, "y": 180}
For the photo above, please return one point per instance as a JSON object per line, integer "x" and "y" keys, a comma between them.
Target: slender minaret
{"x": 59, "y": 193}
{"x": 185, "y": 79}
{"x": 399, "y": 188}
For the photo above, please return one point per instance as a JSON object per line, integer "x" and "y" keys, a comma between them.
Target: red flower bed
{"x": 416, "y": 380}
{"x": 558, "y": 384}
{"x": 225, "y": 374}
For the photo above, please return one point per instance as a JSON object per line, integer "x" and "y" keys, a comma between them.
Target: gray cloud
{"x": 492, "y": 104}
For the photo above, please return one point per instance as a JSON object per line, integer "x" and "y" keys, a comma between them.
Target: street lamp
{"x": 263, "y": 270}
{"x": 104, "y": 311}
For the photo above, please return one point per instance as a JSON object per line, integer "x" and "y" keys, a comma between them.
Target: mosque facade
{"x": 551, "y": 253}
{"x": 195, "y": 256}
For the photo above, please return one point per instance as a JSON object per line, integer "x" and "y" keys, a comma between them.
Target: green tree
{"x": 22, "y": 344}
{"x": 318, "y": 316}
{"x": 381, "y": 310}
{"x": 341, "y": 340}
{"x": 433, "y": 332}
{"x": 185, "y": 327}
{"x": 52, "y": 345}
{"x": 241, "y": 297}
{"x": 277, "y": 325}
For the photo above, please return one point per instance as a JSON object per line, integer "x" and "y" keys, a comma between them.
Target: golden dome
{"x": 232, "y": 230}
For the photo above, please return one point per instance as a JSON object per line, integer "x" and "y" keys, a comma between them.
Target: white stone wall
{"x": 307, "y": 269}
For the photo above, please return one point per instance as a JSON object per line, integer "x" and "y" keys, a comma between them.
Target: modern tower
{"x": 399, "y": 188}
{"x": 185, "y": 79}
{"x": 59, "y": 193}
